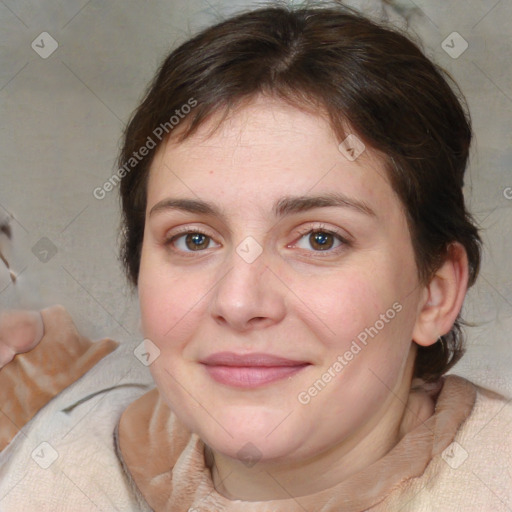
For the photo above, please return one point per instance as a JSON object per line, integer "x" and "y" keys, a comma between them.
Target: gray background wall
{"x": 62, "y": 116}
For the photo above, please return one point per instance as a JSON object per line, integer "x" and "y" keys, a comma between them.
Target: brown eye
{"x": 321, "y": 241}
{"x": 192, "y": 241}
{"x": 197, "y": 241}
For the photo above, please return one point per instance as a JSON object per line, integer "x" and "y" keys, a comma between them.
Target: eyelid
{"x": 302, "y": 232}
{"x": 180, "y": 231}
{"x": 321, "y": 228}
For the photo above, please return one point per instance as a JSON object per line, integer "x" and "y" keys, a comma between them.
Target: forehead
{"x": 260, "y": 152}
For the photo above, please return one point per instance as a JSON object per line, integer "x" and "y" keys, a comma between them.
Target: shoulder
{"x": 491, "y": 413}
{"x": 488, "y": 428}
{"x": 487, "y": 436}
{"x": 65, "y": 455}
{"x": 474, "y": 472}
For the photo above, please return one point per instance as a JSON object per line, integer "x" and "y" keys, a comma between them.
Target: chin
{"x": 251, "y": 449}
{"x": 252, "y": 435}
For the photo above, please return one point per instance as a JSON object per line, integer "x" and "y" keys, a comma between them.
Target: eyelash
{"x": 169, "y": 242}
{"x": 307, "y": 231}
{"x": 322, "y": 229}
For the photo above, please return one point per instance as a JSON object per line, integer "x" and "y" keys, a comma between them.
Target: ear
{"x": 443, "y": 297}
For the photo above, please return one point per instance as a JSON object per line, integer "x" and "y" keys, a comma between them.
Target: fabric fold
{"x": 167, "y": 462}
{"x": 32, "y": 379}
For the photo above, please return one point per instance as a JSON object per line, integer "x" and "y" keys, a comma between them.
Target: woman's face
{"x": 279, "y": 284}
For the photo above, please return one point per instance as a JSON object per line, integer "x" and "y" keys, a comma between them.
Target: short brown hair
{"x": 361, "y": 74}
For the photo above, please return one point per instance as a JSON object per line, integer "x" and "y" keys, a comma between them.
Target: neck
{"x": 403, "y": 411}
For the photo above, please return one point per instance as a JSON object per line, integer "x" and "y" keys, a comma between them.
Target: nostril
{"x": 257, "y": 320}
{"x": 220, "y": 319}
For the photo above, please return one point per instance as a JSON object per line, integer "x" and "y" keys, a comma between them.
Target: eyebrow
{"x": 296, "y": 204}
{"x": 285, "y": 206}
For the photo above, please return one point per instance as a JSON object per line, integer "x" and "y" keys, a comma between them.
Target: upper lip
{"x": 255, "y": 359}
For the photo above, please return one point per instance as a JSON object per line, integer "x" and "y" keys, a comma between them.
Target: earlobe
{"x": 444, "y": 297}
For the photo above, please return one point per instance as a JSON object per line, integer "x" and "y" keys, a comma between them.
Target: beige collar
{"x": 167, "y": 462}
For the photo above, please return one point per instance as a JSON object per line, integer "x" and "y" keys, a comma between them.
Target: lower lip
{"x": 251, "y": 376}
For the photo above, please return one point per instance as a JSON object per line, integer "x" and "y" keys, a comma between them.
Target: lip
{"x": 250, "y": 370}
{"x": 255, "y": 359}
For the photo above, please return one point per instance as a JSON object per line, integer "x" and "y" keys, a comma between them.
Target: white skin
{"x": 293, "y": 301}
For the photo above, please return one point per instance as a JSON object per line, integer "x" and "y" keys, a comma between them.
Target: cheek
{"x": 366, "y": 321}
{"x": 171, "y": 303}
{"x": 338, "y": 307}
{"x": 158, "y": 293}
{"x": 166, "y": 306}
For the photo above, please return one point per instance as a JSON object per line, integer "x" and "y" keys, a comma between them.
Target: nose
{"x": 248, "y": 296}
